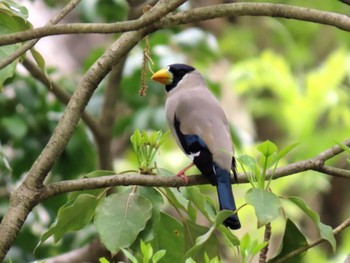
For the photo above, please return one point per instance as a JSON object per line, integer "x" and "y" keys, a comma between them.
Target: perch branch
{"x": 314, "y": 163}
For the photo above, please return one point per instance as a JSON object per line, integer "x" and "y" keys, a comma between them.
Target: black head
{"x": 178, "y": 71}
{"x": 171, "y": 75}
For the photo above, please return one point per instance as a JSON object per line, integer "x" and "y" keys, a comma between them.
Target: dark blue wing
{"x": 195, "y": 147}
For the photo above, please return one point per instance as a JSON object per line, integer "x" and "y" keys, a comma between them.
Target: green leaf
{"x": 129, "y": 255}
{"x": 285, "y": 151}
{"x": 15, "y": 126}
{"x": 195, "y": 196}
{"x": 267, "y": 162}
{"x": 248, "y": 162}
{"x": 158, "y": 256}
{"x": 11, "y": 21}
{"x": 205, "y": 241}
{"x": 344, "y": 147}
{"x": 266, "y": 204}
{"x": 14, "y": 8}
{"x": 103, "y": 260}
{"x": 170, "y": 237}
{"x": 293, "y": 239}
{"x": 267, "y": 148}
{"x": 156, "y": 199}
{"x": 119, "y": 218}
{"x": 325, "y": 231}
{"x": 40, "y": 61}
{"x": 71, "y": 217}
{"x": 250, "y": 248}
{"x": 147, "y": 251}
{"x": 231, "y": 239}
{"x": 176, "y": 199}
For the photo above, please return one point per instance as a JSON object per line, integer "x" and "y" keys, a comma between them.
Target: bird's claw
{"x": 182, "y": 175}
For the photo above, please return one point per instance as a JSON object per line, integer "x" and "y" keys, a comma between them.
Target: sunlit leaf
{"x": 147, "y": 251}
{"x": 283, "y": 152}
{"x": 267, "y": 148}
{"x": 266, "y": 204}
{"x": 158, "y": 256}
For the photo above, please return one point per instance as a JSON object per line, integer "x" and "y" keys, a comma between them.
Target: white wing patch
{"x": 193, "y": 155}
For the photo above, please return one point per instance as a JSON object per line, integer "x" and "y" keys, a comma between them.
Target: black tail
{"x": 226, "y": 198}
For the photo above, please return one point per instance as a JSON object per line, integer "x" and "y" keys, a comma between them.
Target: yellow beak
{"x": 163, "y": 76}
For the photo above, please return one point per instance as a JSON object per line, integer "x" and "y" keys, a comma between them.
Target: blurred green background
{"x": 277, "y": 79}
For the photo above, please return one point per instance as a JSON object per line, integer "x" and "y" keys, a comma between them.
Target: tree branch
{"x": 265, "y": 250}
{"x": 194, "y": 15}
{"x": 259, "y": 9}
{"x": 27, "y": 195}
{"x": 53, "y": 189}
{"x": 314, "y": 243}
{"x": 83, "y": 28}
{"x": 69, "y": 7}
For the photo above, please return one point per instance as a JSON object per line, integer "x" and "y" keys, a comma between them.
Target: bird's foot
{"x": 182, "y": 175}
{"x": 182, "y": 172}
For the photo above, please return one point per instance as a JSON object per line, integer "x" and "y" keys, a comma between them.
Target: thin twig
{"x": 299, "y": 250}
{"x": 146, "y": 57}
{"x": 25, "y": 47}
{"x": 265, "y": 250}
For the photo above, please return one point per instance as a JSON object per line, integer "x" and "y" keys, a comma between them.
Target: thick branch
{"x": 164, "y": 181}
{"x": 26, "y": 196}
{"x": 15, "y": 55}
{"x": 314, "y": 243}
{"x": 194, "y": 15}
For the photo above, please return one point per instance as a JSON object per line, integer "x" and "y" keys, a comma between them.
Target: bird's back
{"x": 200, "y": 113}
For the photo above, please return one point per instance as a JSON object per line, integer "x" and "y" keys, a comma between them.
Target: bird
{"x": 201, "y": 130}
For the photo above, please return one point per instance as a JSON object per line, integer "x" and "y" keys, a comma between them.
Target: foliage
{"x": 292, "y": 80}
{"x": 145, "y": 147}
